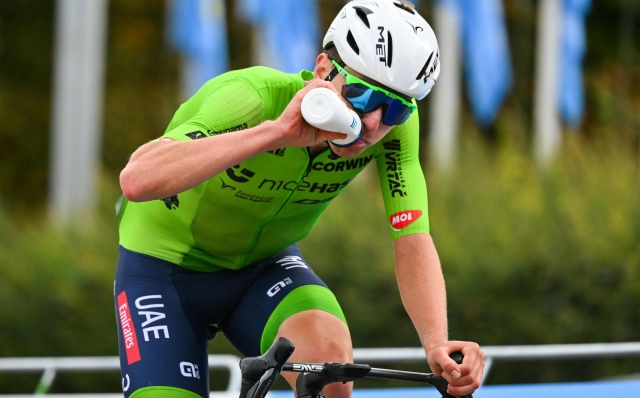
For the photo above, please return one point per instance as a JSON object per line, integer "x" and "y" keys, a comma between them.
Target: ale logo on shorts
{"x": 189, "y": 369}
{"x": 404, "y": 219}
{"x": 128, "y": 330}
{"x": 280, "y": 285}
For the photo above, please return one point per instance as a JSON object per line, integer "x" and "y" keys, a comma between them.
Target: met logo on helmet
{"x": 381, "y": 47}
{"x": 404, "y": 218}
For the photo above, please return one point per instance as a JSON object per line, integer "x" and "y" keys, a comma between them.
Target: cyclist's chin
{"x": 351, "y": 151}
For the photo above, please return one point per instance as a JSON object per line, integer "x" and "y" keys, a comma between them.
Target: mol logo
{"x": 404, "y": 218}
{"x": 303, "y": 367}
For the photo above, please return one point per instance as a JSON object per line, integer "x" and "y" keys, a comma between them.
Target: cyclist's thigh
{"x": 287, "y": 286}
{"x": 161, "y": 353}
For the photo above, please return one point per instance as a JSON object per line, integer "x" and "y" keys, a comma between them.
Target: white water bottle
{"x": 323, "y": 109}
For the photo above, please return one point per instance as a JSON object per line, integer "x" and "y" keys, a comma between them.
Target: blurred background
{"x": 530, "y": 147}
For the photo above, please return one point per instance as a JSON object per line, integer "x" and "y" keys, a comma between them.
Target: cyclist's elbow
{"x": 132, "y": 185}
{"x": 138, "y": 184}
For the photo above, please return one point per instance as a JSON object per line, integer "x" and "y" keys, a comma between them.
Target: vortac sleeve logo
{"x": 404, "y": 218}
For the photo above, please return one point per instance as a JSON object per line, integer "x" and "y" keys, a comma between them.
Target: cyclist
{"x": 213, "y": 209}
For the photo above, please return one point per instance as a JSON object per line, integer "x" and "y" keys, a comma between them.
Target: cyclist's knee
{"x": 163, "y": 392}
{"x": 318, "y": 336}
{"x": 307, "y": 309}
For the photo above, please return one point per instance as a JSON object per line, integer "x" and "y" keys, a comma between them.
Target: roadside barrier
{"x": 49, "y": 367}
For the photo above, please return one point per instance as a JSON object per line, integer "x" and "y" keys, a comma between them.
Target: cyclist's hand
{"x": 463, "y": 379}
{"x": 294, "y": 130}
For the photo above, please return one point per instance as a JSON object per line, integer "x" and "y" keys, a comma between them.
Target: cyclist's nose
{"x": 372, "y": 119}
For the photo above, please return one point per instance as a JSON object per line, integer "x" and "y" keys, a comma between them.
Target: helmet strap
{"x": 334, "y": 71}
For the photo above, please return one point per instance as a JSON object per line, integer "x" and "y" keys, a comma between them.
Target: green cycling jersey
{"x": 255, "y": 209}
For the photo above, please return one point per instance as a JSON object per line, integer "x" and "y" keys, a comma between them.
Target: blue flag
{"x": 573, "y": 44}
{"x": 198, "y": 30}
{"x": 289, "y": 31}
{"x": 487, "y": 59}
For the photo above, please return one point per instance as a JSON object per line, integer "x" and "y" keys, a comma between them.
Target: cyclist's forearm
{"x": 166, "y": 167}
{"x": 422, "y": 287}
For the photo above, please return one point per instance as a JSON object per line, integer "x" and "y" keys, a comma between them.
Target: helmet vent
{"x": 423, "y": 72}
{"x": 405, "y": 5}
{"x": 352, "y": 43}
{"x": 390, "y": 49}
{"x": 362, "y": 13}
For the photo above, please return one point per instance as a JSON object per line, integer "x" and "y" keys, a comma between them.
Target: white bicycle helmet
{"x": 389, "y": 42}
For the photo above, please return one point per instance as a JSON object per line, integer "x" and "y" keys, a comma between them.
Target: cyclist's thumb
{"x": 450, "y": 366}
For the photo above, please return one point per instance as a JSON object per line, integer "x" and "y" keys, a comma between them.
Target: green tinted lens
{"x": 352, "y": 80}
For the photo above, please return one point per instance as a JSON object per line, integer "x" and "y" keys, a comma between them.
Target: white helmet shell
{"x": 388, "y": 43}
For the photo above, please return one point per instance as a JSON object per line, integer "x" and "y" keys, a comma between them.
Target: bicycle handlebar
{"x": 440, "y": 383}
{"x": 259, "y": 373}
{"x": 315, "y": 376}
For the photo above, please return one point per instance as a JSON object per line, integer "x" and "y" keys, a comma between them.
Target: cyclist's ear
{"x": 323, "y": 66}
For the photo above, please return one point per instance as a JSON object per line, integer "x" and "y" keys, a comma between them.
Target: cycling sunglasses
{"x": 365, "y": 98}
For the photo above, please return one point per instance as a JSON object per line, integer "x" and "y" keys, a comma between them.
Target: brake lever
{"x": 259, "y": 373}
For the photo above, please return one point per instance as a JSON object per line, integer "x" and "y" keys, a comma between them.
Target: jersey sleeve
{"x": 229, "y": 106}
{"x": 404, "y": 189}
